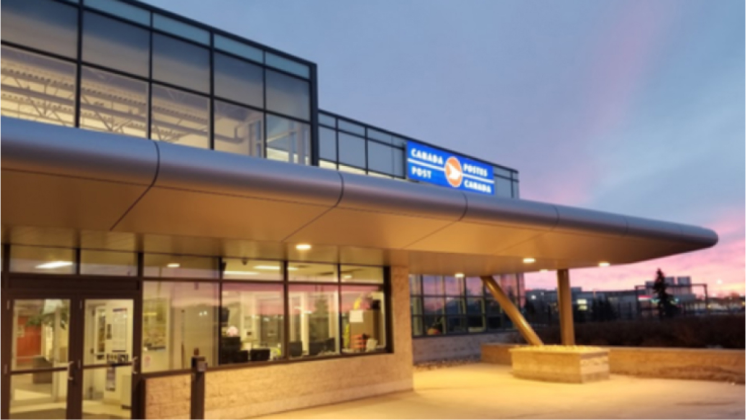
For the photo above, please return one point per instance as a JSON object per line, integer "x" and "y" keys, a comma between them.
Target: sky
{"x": 633, "y": 107}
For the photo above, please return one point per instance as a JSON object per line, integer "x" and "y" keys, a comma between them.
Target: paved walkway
{"x": 489, "y": 391}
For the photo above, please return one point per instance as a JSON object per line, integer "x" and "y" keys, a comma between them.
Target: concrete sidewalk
{"x": 489, "y": 391}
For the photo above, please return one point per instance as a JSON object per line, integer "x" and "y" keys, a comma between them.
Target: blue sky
{"x": 635, "y": 107}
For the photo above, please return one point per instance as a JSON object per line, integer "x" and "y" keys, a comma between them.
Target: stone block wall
{"x": 250, "y": 392}
{"x": 656, "y": 362}
{"x": 436, "y": 348}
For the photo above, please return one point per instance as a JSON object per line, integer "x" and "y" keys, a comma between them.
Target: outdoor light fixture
{"x": 54, "y": 264}
{"x": 173, "y": 265}
{"x": 529, "y": 260}
{"x": 303, "y": 247}
{"x": 459, "y": 275}
{"x": 603, "y": 264}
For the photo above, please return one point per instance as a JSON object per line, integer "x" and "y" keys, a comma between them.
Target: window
{"x": 378, "y": 135}
{"x": 238, "y": 48}
{"x": 398, "y": 163}
{"x": 361, "y": 274}
{"x": 314, "y": 320}
{"x": 503, "y": 187}
{"x": 34, "y": 259}
{"x": 238, "y": 80}
{"x": 288, "y": 140}
{"x": 179, "y": 266}
{"x": 287, "y": 95}
{"x": 351, "y": 127}
{"x": 351, "y": 150}
{"x": 251, "y": 322}
{"x": 327, "y": 144}
{"x": 37, "y": 88}
{"x": 363, "y": 319}
{"x": 450, "y": 305}
{"x": 181, "y": 29}
{"x": 328, "y": 120}
{"x": 288, "y": 65}
{"x": 180, "y": 319}
{"x": 180, "y": 117}
{"x": 123, "y": 10}
{"x": 113, "y": 103}
{"x": 380, "y": 158}
{"x": 44, "y": 25}
{"x": 117, "y": 45}
{"x": 515, "y": 189}
{"x": 181, "y": 63}
{"x": 300, "y": 271}
{"x": 107, "y": 263}
{"x": 251, "y": 269}
{"x": 238, "y": 130}
{"x": 350, "y": 169}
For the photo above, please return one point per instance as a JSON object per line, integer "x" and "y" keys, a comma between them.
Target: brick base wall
{"x": 250, "y": 392}
{"x": 430, "y": 349}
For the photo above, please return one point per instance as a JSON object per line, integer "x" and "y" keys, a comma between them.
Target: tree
{"x": 665, "y": 304}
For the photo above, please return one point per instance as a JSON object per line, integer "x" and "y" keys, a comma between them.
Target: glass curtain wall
{"x": 138, "y": 73}
{"x": 446, "y": 305}
{"x": 235, "y": 310}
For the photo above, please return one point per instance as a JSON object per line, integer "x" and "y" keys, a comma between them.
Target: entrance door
{"x": 71, "y": 356}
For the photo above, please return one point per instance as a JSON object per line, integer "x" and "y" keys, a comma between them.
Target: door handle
{"x": 70, "y": 371}
{"x": 134, "y": 366}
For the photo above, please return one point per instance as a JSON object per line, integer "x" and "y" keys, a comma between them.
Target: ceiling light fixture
{"x": 173, "y": 265}
{"x": 240, "y": 273}
{"x": 603, "y": 264}
{"x": 303, "y": 247}
{"x": 529, "y": 260}
{"x": 54, "y": 264}
{"x": 459, "y": 275}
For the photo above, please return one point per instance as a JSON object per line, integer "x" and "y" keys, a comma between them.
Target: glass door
{"x": 40, "y": 363}
{"x": 107, "y": 360}
{"x": 70, "y": 357}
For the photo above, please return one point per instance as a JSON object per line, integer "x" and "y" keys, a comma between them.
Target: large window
{"x": 238, "y": 80}
{"x": 181, "y": 63}
{"x": 288, "y": 140}
{"x": 288, "y": 95}
{"x": 180, "y": 117}
{"x": 235, "y": 310}
{"x": 452, "y": 305}
{"x": 117, "y": 45}
{"x": 179, "y": 320}
{"x": 239, "y": 129}
{"x": 37, "y": 88}
{"x": 44, "y": 25}
{"x": 113, "y": 103}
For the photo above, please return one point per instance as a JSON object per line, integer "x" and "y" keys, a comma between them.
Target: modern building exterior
{"x": 170, "y": 190}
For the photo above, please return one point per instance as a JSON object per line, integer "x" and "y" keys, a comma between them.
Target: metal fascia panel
{"x": 189, "y": 168}
{"x": 382, "y": 195}
{"x": 43, "y": 148}
{"x": 582, "y": 221}
{"x": 509, "y": 211}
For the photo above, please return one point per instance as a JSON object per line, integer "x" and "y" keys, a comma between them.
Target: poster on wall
{"x": 119, "y": 330}
{"x": 111, "y": 379}
{"x": 155, "y": 322}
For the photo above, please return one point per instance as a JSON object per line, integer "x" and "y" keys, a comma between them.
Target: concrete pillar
{"x": 564, "y": 302}
{"x": 511, "y": 311}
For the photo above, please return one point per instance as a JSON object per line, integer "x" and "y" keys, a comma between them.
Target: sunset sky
{"x": 633, "y": 107}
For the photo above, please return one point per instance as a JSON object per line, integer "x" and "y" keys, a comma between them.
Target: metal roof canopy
{"x": 70, "y": 187}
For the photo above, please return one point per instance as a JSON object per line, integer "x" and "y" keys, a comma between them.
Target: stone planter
{"x": 574, "y": 364}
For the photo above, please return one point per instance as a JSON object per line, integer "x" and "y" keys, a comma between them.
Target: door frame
{"x": 77, "y": 291}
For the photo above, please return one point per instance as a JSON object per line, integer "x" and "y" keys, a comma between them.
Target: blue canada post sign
{"x": 435, "y": 166}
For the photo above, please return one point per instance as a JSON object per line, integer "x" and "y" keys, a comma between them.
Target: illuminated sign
{"x": 435, "y": 166}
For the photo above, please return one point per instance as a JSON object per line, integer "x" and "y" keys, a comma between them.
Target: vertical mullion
{"x": 264, "y": 116}
{"x": 149, "y": 127}
{"x": 211, "y": 129}
{"x": 77, "y": 261}
{"x": 340, "y": 332}
{"x": 286, "y": 317}
{"x": 78, "y": 68}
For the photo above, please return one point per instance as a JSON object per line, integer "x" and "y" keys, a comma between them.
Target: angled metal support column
{"x": 564, "y": 301}
{"x": 511, "y": 311}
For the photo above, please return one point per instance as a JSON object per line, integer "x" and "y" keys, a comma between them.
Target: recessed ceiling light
{"x": 267, "y": 267}
{"x": 347, "y": 276}
{"x": 303, "y": 247}
{"x": 240, "y": 273}
{"x": 173, "y": 265}
{"x": 459, "y": 275}
{"x": 54, "y": 264}
{"x": 529, "y": 260}
{"x": 603, "y": 264}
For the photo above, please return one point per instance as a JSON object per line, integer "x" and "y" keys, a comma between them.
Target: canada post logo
{"x": 436, "y": 166}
